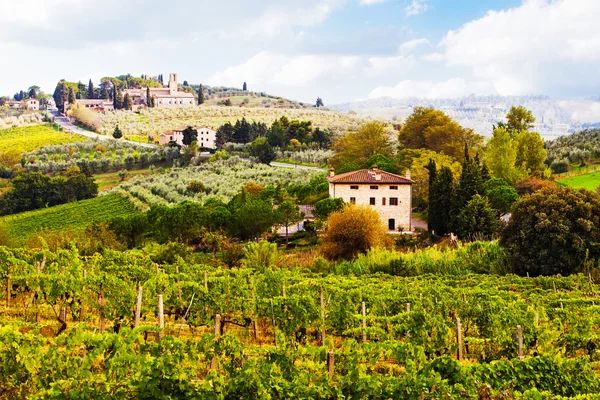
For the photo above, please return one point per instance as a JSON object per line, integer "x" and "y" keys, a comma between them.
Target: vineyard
{"x": 95, "y": 156}
{"x": 33, "y": 137}
{"x": 72, "y": 216}
{"x": 222, "y": 179}
{"x": 154, "y": 121}
{"x": 129, "y": 325}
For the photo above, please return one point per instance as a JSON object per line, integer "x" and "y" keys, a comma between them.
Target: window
{"x": 374, "y": 187}
{"x": 392, "y": 224}
{"x": 383, "y": 201}
{"x": 393, "y": 187}
{"x": 352, "y": 200}
{"x": 372, "y": 201}
{"x": 393, "y": 201}
{"x": 353, "y": 187}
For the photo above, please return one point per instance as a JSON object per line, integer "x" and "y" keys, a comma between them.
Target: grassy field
{"x": 111, "y": 180}
{"x": 33, "y": 137}
{"x": 153, "y": 121}
{"x": 589, "y": 181}
{"x": 74, "y": 216}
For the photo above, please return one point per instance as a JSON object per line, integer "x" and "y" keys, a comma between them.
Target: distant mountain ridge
{"x": 553, "y": 117}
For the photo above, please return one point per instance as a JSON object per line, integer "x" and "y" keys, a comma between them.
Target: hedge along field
{"x": 75, "y": 216}
{"x": 34, "y": 137}
{"x": 222, "y": 179}
{"x": 589, "y": 181}
{"x": 153, "y": 121}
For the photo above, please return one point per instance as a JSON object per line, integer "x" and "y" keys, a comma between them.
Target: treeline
{"x": 469, "y": 206}
{"x": 577, "y": 148}
{"x": 248, "y": 215}
{"x": 110, "y": 88}
{"x": 33, "y": 190}
{"x": 282, "y": 133}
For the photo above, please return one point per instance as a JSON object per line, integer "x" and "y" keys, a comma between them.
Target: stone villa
{"x": 389, "y": 194}
{"x": 206, "y": 137}
{"x": 163, "y": 97}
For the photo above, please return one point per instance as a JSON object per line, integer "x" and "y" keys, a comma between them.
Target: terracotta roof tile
{"x": 368, "y": 176}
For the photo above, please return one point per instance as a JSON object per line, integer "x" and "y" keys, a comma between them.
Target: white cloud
{"x": 455, "y": 87}
{"x": 266, "y": 68}
{"x": 409, "y": 46}
{"x": 539, "y": 47}
{"x": 370, "y": 2}
{"x": 416, "y": 7}
{"x": 435, "y": 56}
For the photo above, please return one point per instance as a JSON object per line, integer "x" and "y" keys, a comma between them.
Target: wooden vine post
{"x": 8, "y": 288}
{"x": 161, "y": 317}
{"x": 330, "y": 364}
{"x": 216, "y": 332}
{"x": 322, "y": 333}
{"x": 254, "y": 320}
{"x": 520, "y": 342}
{"x": 101, "y": 316}
{"x": 138, "y": 307}
{"x": 363, "y": 312}
{"x": 459, "y": 340}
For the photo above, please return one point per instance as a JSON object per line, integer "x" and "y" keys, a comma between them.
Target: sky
{"x": 339, "y": 50}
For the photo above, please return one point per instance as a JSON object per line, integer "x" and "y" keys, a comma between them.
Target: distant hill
{"x": 553, "y": 117}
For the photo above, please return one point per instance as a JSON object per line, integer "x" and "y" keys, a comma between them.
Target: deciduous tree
{"x": 357, "y": 147}
{"x": 288, "y": 214}
{"x": 353, "y": 230}
{"x": 554, "y": 231}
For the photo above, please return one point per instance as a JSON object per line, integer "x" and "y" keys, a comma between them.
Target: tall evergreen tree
{"x": 200, "y": 95}
{"x": 471, "y": 181}
{"x": 71, "y": 95}
{"x": 441, "y": 199}
{"x": 245, "y": 87}
{"x": 242, "y": 131}
{"x": 224, "y": 134}
{"x": 91, "y": 90}
{"x": 149, "y": 98}
{"x": 127, "y": 102}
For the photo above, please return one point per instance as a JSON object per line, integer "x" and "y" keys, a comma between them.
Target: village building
{"x": 163, "y": 97}
{"x": 389, "y": 194}
{"x": 13, "y": 104}
{"x": 32, "y": 104}
{"x": 98, "y": 105}
{"x": 206, "y": 137}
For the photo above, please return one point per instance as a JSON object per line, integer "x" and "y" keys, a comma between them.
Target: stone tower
{"x": 173, "y": 83}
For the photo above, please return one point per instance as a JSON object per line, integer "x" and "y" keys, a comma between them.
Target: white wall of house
{"x": 207, "y": 138}
{"x": 391, "y": 201}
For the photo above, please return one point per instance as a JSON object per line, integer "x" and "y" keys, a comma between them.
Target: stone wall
{"x": 401, "y": 213}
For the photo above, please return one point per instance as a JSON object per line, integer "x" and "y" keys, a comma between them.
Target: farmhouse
{"x": 206, "y": 137}
{"x": 389, "y": 194}
{"x": 163, "y": 97}
{"x": 33, "y": 104}
{"x": 98, "y": 105}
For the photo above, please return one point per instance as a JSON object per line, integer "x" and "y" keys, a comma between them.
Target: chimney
{"x": 331, "y": 171}
{"x": 408, "y": 174}
{"x": 377, "y": 173}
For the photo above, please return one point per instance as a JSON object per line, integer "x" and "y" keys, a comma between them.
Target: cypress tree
{"x": 127, "y": 102}
{"x": 245, "y": 87}
{"x": 441, "y": 199}
{"x": 90, "y": 90}
{"x": 200, "y": 95}
{"x": 71, "y": 95}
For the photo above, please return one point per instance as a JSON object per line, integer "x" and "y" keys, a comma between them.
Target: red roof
{"x": 369, "y": 176}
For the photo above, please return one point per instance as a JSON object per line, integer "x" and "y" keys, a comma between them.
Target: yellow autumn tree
{"x": 354, "y": 229}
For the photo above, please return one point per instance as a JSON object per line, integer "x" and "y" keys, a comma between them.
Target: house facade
{"x": 206, "y": 137}
{"x": 98, "y": 105}
{"x": 389, "y": 194}
{"x": 163, "y": 97}
{"x": 33, "y": 104}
